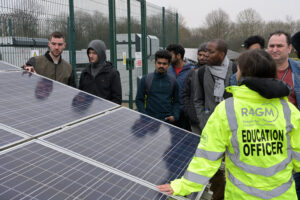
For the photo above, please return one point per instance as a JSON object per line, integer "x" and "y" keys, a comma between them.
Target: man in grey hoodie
{"x": 100, "y": 77}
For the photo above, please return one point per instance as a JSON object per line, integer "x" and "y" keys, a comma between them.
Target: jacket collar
{"x": 187, "y": 66}
{"x": 105, "y": 68}
{"x": 47, "y": 54}
{"x": 260, "y": 88}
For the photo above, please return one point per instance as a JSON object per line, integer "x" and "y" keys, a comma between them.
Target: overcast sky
{"x": 195, "y": 11}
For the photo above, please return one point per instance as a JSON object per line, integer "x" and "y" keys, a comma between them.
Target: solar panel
{"x": 93, "y": 148}
{"x": 35, "y": 105}
{"x": 8, "y": 138}
{"x": 35, "y": 171}
{"x": 136, "y": 144}
{"x": 4, "y": 66}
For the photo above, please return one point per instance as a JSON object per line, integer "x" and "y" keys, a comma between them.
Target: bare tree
{"x": 154, "y": 26}
{"x": 249, "y": 22}
{"x": 272, "y": 26}
{"x": 218, "y": 24}
{"x": 24, "y": 23}
{"x": 89, "y": 27}
{"x": 25, "y": 18}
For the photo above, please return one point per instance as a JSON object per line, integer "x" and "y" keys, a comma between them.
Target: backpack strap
{"x": 201, "y": 72}
{"x": 148, "y": 82}
{"x": 173, "y": 82}
{"x": 233, "y": 67}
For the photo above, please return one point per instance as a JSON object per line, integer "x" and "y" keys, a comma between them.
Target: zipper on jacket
{"x": 55, "y": 71}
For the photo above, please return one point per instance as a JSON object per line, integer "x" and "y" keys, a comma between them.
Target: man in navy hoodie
{"x": 180, "y": 69}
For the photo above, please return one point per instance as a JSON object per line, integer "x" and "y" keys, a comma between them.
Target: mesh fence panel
{"x": 122, "y": 43}
{"x": 170, "y": 24}
{"x": 25, "y": 26}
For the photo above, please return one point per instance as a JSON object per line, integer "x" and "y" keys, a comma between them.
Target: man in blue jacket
{"x": 279, "y": 47}
{"x": 180, "y": 69}
{"x": 157, "y": 94}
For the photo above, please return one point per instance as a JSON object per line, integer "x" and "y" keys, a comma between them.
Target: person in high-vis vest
{"x": 257, "y": 130}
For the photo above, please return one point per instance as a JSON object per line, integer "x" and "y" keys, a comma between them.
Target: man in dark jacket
{"x": 179, "y": 70}
{"x": 51, "y": 65}
{"x": 160, "y": 94}
{"x": 213, "y": 79}
{"x": 189, "y": 90}
{"x": 100, "y": 77}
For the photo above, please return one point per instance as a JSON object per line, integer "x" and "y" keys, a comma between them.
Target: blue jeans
{"x": 297, "y": 180}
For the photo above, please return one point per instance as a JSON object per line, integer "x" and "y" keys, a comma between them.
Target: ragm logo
{"x": 267, "y": 112}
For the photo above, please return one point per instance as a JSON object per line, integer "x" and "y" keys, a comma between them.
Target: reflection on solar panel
{"x": 119, "y": 154}
{"x": 4, "y": 66}
{"x": 34, "y": 171}
{"x": 7, "y": 138}
{"x": 128, "y": 141}
{"x": 34, "y": 105}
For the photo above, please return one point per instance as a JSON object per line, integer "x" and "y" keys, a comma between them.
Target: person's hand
{"x": 29, "y": 68}
{"x": 166, "y": 188}
{"x": 170, "y": 119}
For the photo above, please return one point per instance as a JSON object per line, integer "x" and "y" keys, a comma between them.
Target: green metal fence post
{"x": 10, "y": 27}
{"x": 177, "y": 29}
{"x": 130, "y": 56}
{"x": 163, "y": 28}
{"x": 72, "y": 48}
{"x": 112, "y": 32}
{"x": 144, "y": 37}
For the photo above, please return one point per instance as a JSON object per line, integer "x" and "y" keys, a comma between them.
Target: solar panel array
{"x": 4, "y": 66}
{"x": 125, "y": 140}
{"x": 35, "y": 105}
{"x": 35, "y": 171}
{"x": 57, "y": 142}
{"x": 8, "y": 137}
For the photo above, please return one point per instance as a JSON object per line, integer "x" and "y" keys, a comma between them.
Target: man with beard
{"x": 157, "y": 94}
{"x": 179, "y": 70}
{"x": 201, "y": 56}
{"x": 100, "y": 78}
{"x": 213, "y": 79}
{"x": 51, "y": 65}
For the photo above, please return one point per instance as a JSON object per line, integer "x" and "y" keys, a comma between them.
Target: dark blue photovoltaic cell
{"x": 7, "y": 138}
{"x": 4, "y": 66}
{"x": 38, "y": 172}
{"x": 34, "y": 105}
{"x": 134, "y": 143}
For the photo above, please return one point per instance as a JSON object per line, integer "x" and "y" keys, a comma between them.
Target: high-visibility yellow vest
{"x": 260, "y": 139}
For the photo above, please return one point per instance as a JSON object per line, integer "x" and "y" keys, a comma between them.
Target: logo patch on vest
{"x": 266, "y": 112}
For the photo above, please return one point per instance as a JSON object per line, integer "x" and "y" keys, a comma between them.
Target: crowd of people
{"x": 246, "y": 111}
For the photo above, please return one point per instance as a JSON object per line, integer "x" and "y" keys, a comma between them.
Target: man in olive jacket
{"x": 100, "y": 77}
{"x": 51, "y": 65}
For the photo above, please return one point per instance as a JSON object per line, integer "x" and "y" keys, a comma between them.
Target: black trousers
{"x": 183, "y": 122}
